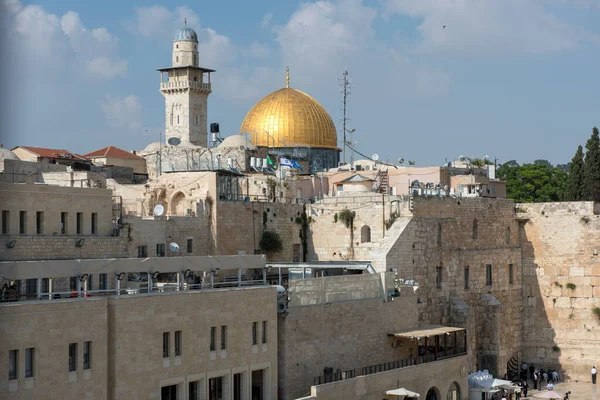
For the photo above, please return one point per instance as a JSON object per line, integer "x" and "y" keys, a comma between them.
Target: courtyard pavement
{"x": 579, "y": 391}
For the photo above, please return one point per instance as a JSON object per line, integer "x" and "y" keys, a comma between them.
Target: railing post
{"x": 38, "y": 288}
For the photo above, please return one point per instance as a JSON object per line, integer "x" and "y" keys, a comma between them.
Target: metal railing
{"x": 374, "y": 369}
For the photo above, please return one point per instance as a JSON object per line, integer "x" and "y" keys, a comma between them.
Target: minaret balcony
{"x": 178, "y": 85}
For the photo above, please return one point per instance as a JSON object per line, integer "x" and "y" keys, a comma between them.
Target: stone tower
{"x": 186, "y": 87}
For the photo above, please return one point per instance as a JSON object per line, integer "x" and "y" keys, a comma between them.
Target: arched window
{"x": 508, "y": 235}
{"x": 177, "y": 59}
{"x": 475, "y": 229}
{"x": 365, "y": 234}
{"x": 196, "y": 119}
{"x": 454, "y": 392}
{"x": 194, "y": 62}
{"x": 176, "y": 46}
{"x": 178, "y": 204}
{"x": 171, "y": 119}
{"x": 178, "y": 119}
{"x": 195, "y": 78}
{"x": 433, "y": 394}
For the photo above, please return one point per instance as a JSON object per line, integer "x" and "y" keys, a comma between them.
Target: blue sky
{"x": 511, "y": 79}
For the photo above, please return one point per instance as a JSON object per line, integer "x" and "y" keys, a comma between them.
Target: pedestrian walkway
{"x": 579, "y": 391}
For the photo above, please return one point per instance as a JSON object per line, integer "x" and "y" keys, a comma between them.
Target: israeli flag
{"x": 297, "y": 165}
{"x": 284, "y": 162}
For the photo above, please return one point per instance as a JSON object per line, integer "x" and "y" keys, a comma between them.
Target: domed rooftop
{"x": 236, "y": 141}
{"x": 185, "y": 33}
{"x": 291, "y": 118}
{"x": 6, "y": 154}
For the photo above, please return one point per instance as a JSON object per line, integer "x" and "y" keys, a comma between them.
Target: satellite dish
{"x": 174, "y": 141}
{"x": 246, "y": 200}
{"x": 174, "y": 247}
{"x": 159, "y": 210}
{"x": 375, "y": 157}
{"x": 401, "y": 160}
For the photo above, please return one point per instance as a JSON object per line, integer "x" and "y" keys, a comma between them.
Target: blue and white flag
{"x": 297, "y": 165}
{"x": 284, "y": 162}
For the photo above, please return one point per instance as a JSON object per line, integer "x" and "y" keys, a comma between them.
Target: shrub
{"x": 596, "y": 311}
{"x": 347, "y": 217}
{"x": 271, "y": 242}
{"x": 558, "y": 284}
{"x": 555, "y": 348}
{"x": 571, "y": 286}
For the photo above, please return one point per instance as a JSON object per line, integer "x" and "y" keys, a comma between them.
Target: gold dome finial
{"x": 287, "y": 77}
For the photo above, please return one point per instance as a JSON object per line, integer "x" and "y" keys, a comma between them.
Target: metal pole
{"x": 383, "y": 209}
{"x": 344, "y": 121}
{"x": 39, "y": 288}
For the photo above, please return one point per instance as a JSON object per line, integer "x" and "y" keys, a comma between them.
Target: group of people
{"x": 9, "y": 293}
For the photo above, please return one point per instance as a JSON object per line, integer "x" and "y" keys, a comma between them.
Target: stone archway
{"x": 178, "y": 204}
{"x": 433, "y": 394}
{"x": 454, "y": 392}
{"x": 365, "y": 234}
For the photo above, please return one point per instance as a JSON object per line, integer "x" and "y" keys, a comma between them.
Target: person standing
{"x": 594, "y": 373}
{"x": 525, "y": 388}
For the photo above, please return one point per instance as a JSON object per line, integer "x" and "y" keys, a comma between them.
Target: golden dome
{"x": 290, "y": 118}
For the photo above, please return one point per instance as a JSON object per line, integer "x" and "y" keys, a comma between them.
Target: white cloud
{"x": 266, "y": 20}
{"x": 257, "y": 50}
{"x": 106, "y": 68}
{"x": 488, "y": 27}
{"x": 13, "y": 6}
{"x": 122, "y": 112}
{"x": 159, "y": 22}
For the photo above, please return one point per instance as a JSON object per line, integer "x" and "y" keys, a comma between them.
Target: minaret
{"x": 186, "y": 87}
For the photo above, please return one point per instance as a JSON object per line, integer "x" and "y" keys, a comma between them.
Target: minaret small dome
{"x": 186, "y": 33}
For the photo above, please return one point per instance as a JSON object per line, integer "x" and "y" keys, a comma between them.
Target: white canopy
{"x": 495, "y": 383}
{"x": 402, "y": 392}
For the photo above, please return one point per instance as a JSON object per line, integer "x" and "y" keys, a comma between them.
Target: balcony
{"x": 179, "y": 85}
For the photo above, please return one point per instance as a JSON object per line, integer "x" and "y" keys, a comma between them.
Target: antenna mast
{"x": 345, "y": 93}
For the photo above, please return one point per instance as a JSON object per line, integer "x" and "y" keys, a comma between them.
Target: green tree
{"x": 591, "y": 168}
{"x": 574, "y": 186}
{"x": 533, "y": 183}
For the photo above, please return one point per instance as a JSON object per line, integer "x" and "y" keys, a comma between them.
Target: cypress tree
{"x": 591, "y": 168}
{"x": 574, "y": 191}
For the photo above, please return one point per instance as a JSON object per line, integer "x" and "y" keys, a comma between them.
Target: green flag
{"x": 270, "y": 162}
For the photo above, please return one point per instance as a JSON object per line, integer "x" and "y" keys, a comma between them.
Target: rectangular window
{"x": 177, "y": 343}
{"x": 213, "y": 333}
{"x": 5, "y": 222}
{"x": 510, "y": 274}
{"x": 190, "y": 245}
{"x": 23, "y": 222}
{"x": 39, "y": 222}
{"x": 466, "y": 277}
{"x": 223, "y": 337}
{"x": 165, "y": 344}
{"x": 142, "y": 251}
{"x": 45, "y": 285}
{"x": 31, "y": 288}
{"x": 73, "y": 283}
{"x": 13, "y": 360}
{"x": 254, "y": 333}
{"x": 160, "y": 250}
{"x": 488, "y": 275}
{"x": 63, "y": 223}
{"x": 94, "y": 223}
{"x": 29, "y": 362}
{"x": 507, "y": 235}
{"x": 264, "y": 331}
{"x": 87, "y": 355}
{"x": 438, "y": 277}
{"x": 79, "y": 223}
{"x": 72, "y": 357}
{"x": 102, "y": 281}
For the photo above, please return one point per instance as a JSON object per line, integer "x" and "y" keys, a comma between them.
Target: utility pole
{"x": 345, "y": 94}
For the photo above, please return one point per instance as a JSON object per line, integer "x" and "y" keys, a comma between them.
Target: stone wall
{"x": 346, "y": 335}
{"x": 438, "y": 375}
{"x": 441, "y": 235}
{"x": 62, "y": 247}
{"x": 561, "y": 276}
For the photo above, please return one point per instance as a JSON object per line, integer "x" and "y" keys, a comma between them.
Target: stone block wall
{"x": 62, "y": 248}
{"x": 561, "y": 277}
{"x": 346, "y": 335}
{"x": 440, "y": 235}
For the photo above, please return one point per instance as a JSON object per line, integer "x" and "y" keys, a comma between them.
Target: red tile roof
{"x": 53, "y": 153}
{"x": 112, "y": 151}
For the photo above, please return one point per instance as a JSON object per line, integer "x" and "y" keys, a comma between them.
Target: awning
{"x": 401, "y": 392}
{"x": 432, "y": 330}
{"x": 495, "y": 383}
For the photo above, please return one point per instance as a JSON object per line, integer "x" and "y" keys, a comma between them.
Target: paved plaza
{"x": 579, "y": 391}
